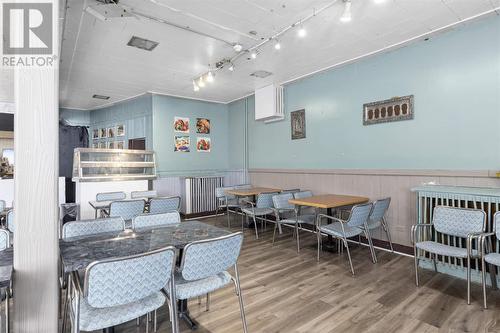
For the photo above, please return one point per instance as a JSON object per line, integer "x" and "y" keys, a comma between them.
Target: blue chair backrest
{"x": 302, "y": 194}
{"x": 127, "y": 209}
{"x": 121, "y": 281}
{"x": 265, "y": 200}
{"x": 293, "y": 190}
{"x": 110, "y": 196}
{"x": 4, "y": 239}
{"x": 10, "y": 220}
{"x": 379, "y": 209}
{"x": 496, "y": 224}
{"x": 156, "y": 220}
{"x": 220, "y": 192}
{"x": 280, "y": 201}
{"x": 458, "y": 221}
{"x": 92, "y": 227}
{"x": 164, "y": 205}
{"x": 2, "y": 205}
{"x": 359, "y": 215}
{"x": 209, "y": 257}
{"x": 143, "y": 194}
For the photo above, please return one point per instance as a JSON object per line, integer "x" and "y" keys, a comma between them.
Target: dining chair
{"x": 164, "y": 205}
{"x": 118, "y": 290}
{"x": 344, "y": 229}
{"x": 377, "y": 219}
{"x": 305, "y": 210}
{"x": 464, "y": 223}
{"x": 143, "y": 194}
{"x": 110, "y": 196}
{"x": 203, "y": 269}
{"x": 226, "y": 201}
{"x": 292, "y": 190}
{"x": 127, "y": 209}
{"x": 92, "y": 227}
{"x": 490, "y": 257}
{"x": 10, "y": 221}
{"x": 156, "y": 220}
{"x": 4, "y": 239}
{"x": 287, "y": 213}
{"x": 7, "y": 290}
{"x": 2, "y": 205}
{"x": 261, "y": 208}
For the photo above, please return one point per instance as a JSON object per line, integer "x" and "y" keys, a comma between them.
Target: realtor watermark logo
{"x": 27, "y": 34}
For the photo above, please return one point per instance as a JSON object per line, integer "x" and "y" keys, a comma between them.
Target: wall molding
{"x": 386, "y": 172}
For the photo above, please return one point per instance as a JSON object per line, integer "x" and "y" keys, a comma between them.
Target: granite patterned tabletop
{"x": 77, "y": 253}
{"x": 6, "y": 262}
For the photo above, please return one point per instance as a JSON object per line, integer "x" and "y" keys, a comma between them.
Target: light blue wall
{"x": 455, "y": 78}
{"x": 75, "y": 117}
{"x": 237, "y": 133}
{"x": 165, "y": 108}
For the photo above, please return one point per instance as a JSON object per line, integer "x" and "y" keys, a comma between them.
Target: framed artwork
{"x": 95, "y": 145}
{"x": 95, "y": 133}
{"x": 202, "y": 125}
{"x": 111, "y": 145}
{"x": 111, "y": 132}
{"x": 181, "y": 144}
{"x": 120, "y": 130}
{"x": 120, "y": 144}
{"x": 102, "y": 145}
{"x": 394, "y": 109}
{"x": 298, "y": 124}
{"x": 203, "y": 145}
{"x": 181, "y": 125}
{"x": 103, "y": 133}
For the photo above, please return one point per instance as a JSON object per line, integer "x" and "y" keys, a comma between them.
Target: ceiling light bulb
{"x": 253, "y": 54}
{"x": 346, "y": 16}
{"x": 231, "y": 67}
{"x": 195, "y": 86}
{"x": 201, "y": 84}
{"x": 277, "y": 45}
{"x": 301, "y": 32}
{"x": 237, "y": 47}
{"x": 210, "y": 77}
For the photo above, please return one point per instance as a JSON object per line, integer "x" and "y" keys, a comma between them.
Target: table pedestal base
{"x": 182, "y": 307}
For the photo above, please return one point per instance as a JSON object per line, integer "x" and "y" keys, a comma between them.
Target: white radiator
{"x": 198, "y": 194}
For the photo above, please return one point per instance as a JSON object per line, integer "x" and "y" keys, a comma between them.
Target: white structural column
{"x": 36, "y": 146}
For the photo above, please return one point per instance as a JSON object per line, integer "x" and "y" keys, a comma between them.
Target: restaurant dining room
{"x": 291, "y": 166}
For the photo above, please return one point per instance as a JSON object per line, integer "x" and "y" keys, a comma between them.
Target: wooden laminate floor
{"x": 286, "y": 292}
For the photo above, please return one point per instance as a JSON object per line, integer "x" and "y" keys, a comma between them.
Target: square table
{"x": 79, "y": 252}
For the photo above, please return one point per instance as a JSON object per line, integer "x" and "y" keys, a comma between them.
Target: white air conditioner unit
{"x": 269, "y": 104}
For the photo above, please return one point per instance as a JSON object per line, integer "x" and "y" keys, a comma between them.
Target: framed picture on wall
{"x": 120, "y": 130}
{"x": 202, "y": 125}
{"x": 120, "y": 145}
{"x": 181, "y": 125}
{"x": 203, "y": 145}
{"x": 95, "y": 133}
{"x": 111, "y": 132}
{"x": 111, "y": 145}
{"x": 103, "y": 133}
{"x": 298, "y": 124}
{"x": 102, "y": 145}
{"x": 181, "y": 144}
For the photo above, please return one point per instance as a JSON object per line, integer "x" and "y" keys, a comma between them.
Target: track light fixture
{"x": 277, "y": 45}
{"x": 201, "y": 83}
{"x": 237, "y": 47}
{"x": 210, "y": 77}
{"x": 195, "y": 86}
{"x": 301, "y": 32}
{"x": 347, "y": 15}
{"x": 231, "y": 67}
{"x": 254, "y": 54}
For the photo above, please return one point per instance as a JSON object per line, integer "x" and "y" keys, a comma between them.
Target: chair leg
{"x": 434, "y": 261}
{"x": 483, "y": 281}
{"x": 208, "y": 302}
{"x": 297, "y": 235}
{"x": 240, "y": 299}
{"x": 468, "y": 279}
{"x": 155, "y": 323}
{"x": 228, "y": 218}
{"x": 174, "y": 318}
{"x": 348, "y": 254}
{"x": 415, "y": 254}
{"x": 493, "y": 268}
{"x": 147, "y": 322}
{"x": 318, "y": 238}
{"x": 138, "y": 321}
{"x": 370, "y": 244}
{"x": 256, "y": 227}
{"x": 388, "y": 233}
{"x": 66, "y": 305}
{"x": 274, "y": 231}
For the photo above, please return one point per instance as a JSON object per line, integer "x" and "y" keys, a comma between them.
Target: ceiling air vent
{"x": 261, "y": 74}
{"x": 100, "y": 97}
{"x": 142, "y": 43}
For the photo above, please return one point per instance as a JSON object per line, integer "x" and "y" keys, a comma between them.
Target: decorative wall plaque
{"x": 394, "y": 109}
{"x": 298, "y": 123}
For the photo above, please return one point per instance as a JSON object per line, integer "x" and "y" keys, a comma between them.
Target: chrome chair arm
{"x": 320, "y": 216}
{"x": 470, "y": 237}
{"x": 415, "y": 228}
{"x": 482, "y": 239}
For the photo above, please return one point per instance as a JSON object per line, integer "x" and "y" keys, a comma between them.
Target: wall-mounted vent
{"x": 143, "y": 44}
{"x": 261, "y": 74}
{"x": 100, "y": 97}
{"x": 269, "y": 104}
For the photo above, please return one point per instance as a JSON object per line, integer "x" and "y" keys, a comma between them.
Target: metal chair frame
{"x": 254, "y": 216}
{"x": 483, "y": 240}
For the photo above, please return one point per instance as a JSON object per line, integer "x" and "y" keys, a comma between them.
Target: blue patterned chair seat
{"x": 92, "y": 319}
{"x": 445, "y": 250}
{"x": 258, "y": 211}
{"x": 303, "y": 219}
{"x": 374, "y": 225}
{"x": 233, "y": 203}
{"x": 493, "y": 258}
{"x": 335, "y": 229}
{"x": 188, "y": 289}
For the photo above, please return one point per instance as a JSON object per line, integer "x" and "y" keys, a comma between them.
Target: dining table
{"x": 332, "y": 203}
{"x": 252, "y": 193}
{"x": 78, "y": 253}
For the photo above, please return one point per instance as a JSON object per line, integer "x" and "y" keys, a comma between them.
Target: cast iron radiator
{"x": 199, "y": 194}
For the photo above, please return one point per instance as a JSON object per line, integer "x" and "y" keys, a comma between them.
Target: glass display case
{"x": 97, "y": 165}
